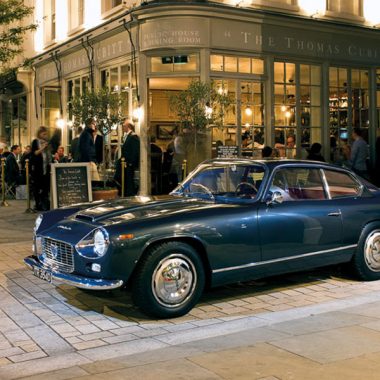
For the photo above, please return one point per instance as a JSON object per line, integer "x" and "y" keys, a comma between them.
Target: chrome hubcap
{"x": 372, "y": 251}
{"x": 174, "y": 280}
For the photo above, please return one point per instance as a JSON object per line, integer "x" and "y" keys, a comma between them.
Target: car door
{"x": 305, "y": 223}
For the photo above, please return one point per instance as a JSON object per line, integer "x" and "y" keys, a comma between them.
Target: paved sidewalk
{"x": 314, "y": 325}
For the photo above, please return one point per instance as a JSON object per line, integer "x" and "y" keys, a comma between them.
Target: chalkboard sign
{"x": 71, "y": 183}
{"x": 227, "y": 151}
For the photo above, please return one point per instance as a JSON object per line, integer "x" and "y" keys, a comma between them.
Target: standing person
{"x": 87, "y": 148}
{"x": 131, "y": 152}
{"x": 359, "y": 154}
{"x": 40, "y": 169}
{"x": 74, "y": 148}
{"x": 12, "y": 169}
{"x": 98, "y": 141}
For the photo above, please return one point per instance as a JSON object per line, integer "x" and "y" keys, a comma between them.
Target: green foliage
{"x": 12, "y": 32}
{"x": 100, "y": 104}
{"x": 200, "y": 106}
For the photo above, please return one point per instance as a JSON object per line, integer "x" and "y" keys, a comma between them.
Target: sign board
{"x": 71, "y": 183}
{"x": 227, "y": 151}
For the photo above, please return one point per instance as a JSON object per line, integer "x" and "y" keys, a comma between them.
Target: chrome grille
{"x": 58, "y": 255}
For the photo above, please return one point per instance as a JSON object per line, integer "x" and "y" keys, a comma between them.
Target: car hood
{"x": 141, "y": 207}
{"x": 127, "y": 210}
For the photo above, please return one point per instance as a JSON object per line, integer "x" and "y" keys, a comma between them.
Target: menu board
{"x": 71, "y": 183}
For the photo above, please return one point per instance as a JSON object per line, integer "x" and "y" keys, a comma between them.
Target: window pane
{"x": 290, "y": 72}
{"x": 244, "y": 65}
{"x": 216, "y": 62}
{"x": 305, "y": 74}
{"x": 230, "y": 64}
{"x": 279, "y": 72}
{"x": 124, "y": 71}
{"x": 315, "y": 75}
{"x": 257, "y": 66}
{"x": 161, "y": 65}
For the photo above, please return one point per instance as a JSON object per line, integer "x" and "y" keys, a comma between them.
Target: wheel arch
{"x": 195, "y": 243}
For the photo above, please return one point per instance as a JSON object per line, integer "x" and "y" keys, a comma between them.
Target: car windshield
{"x": 223, "y": 182}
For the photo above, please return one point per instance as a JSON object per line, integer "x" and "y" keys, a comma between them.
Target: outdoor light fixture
{"x": 283, "y": 108}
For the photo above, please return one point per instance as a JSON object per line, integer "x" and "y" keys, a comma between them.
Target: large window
{"x": 233, "y": 64}
{"x": 348, "y": 108}
{"x": 49, "y": 21}
{"x": 297, "y": 107}
{"x": 76, "y": 14}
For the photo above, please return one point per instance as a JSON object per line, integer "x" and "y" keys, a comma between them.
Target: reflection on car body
{"x": 230, "y": 220}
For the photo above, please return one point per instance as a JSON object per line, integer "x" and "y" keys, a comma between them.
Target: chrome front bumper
{"x": 77, "y": 281}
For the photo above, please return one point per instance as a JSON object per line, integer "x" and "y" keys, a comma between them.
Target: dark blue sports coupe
{"x": 230, "y": 220}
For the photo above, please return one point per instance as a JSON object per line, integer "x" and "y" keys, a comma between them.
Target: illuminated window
{"x": 232, "y": 64}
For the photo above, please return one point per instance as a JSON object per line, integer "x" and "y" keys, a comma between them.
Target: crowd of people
{"x": 88, "y": 146}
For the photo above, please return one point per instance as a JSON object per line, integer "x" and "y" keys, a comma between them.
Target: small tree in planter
{"x": 198, "y": 108}
{"x": 104, "y": 107}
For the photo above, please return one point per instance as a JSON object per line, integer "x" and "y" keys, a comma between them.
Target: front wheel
{"x": 366, "y": 261}
{"x": 169, "y": 280}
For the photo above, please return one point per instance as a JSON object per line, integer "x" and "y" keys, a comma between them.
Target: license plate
{"x": 42, "y": 274}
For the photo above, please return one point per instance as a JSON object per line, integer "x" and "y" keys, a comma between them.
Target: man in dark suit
{"x": 98, "y": 141}
{"x": 12, "y": 170}
{"x": 131, "y": 152}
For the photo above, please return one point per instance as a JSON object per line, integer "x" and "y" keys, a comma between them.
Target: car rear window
{"x": 342, "y": 184}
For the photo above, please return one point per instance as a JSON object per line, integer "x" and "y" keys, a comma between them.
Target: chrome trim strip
{"x": 282, "y": 259}
{"x": 77, "y": 281}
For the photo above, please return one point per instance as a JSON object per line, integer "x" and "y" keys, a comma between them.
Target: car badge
{"x": 64, "y": 227}
{"x": 54, "y": 251}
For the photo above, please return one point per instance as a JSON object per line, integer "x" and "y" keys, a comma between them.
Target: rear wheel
{"x": 169, "y": 280}
{"x": 366, "y": 261}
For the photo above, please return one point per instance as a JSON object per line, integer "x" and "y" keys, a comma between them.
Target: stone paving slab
{"x": 39, "y": 319}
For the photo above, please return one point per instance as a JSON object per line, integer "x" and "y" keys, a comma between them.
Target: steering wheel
{"x": 205, "y": 188}
{"x": 251, "y": 193}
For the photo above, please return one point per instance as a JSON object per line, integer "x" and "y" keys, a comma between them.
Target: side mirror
{"x": 274, "y": 197}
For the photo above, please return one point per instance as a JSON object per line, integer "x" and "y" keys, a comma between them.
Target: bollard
{"x": 184, "y": 169}
{"x": 122, "y": 176}
{"x": 28, "y": 210}
{"x": 3, "y": 201}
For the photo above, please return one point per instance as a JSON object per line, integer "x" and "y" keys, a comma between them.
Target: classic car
{"x": 230, "y": 220}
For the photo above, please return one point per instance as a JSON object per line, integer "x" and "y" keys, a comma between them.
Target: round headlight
{"x": 38, "y": 222}
{"x": 100, "y": 242}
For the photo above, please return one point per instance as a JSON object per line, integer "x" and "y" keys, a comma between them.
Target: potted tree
{"x": 198, "y": 108}
{"x": 105, "y": 107}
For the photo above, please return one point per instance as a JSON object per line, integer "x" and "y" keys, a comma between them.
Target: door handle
{"x": 336, "y": 213}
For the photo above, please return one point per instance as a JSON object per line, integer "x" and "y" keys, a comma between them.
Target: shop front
{"x": 290, "y": 79}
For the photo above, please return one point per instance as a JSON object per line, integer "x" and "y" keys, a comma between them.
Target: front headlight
{"x": 94, "y": 245}
{"x": 38, "y": 222}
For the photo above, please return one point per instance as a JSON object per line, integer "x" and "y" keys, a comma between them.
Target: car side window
{"x": 298, "y": 184}
{"x": 341, "y": 184}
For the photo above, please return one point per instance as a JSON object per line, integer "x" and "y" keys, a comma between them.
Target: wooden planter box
{"x": 104, "y": 194}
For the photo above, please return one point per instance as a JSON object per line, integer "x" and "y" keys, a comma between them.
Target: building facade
{"x": 306, "y": 70}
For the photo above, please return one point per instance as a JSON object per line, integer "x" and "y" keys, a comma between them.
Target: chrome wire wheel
{"x": 372, "y": 251}
{"x": 174, "y": 280}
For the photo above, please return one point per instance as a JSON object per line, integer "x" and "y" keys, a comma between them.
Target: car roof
{"x": 273, "y": 163}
